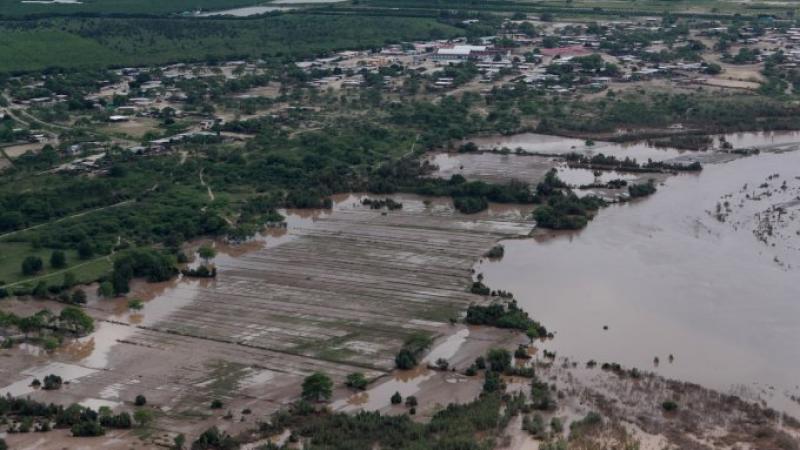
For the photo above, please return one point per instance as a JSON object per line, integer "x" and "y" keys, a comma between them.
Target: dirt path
{"x": 82, "y": 213}
{"x": 208, "y": 187}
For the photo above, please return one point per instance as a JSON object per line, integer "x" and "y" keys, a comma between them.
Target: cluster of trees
{"x": 504, "y": 315}
{"x": 71, "y": 320}
{"x": 81, "y": 421}
{"x": 147, "y": 263}
{"x": 472, "y": 425}
{"x": 567, "y": 211}
{"x": 642, "y": 189}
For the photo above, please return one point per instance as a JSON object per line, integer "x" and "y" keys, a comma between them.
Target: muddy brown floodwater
{"x": 670, "y": 275}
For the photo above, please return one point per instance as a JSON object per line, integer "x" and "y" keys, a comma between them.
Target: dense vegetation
{"x": 118, "y": 42}
{"x": 503, "y": 315}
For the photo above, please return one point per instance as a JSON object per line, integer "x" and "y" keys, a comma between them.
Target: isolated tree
{"x": 532, "y": 334}
{"x": 143, "y": 417}
{"x": 206, "y": 252}
{"x": 31, "y": 265}
{"x": 58, "y": 260}
{"x": 396, "y": 398}
{"x": 317, "y": 387}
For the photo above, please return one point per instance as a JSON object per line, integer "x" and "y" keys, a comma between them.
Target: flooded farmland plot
{"x": 697, "y": 282}
{"x": 336, "y": 291}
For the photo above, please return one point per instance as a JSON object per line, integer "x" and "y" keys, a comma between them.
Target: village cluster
{"x": 558, "y": 58}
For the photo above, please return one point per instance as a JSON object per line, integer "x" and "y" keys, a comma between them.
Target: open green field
{"x": 13, "y": 253}
{"x": 115, "y": 42}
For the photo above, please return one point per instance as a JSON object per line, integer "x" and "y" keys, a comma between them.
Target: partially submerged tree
{"x": 317, "y": 387}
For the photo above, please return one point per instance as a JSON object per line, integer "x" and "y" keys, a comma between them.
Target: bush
{"x": 216, "y": 404}
{"x": 213, "y": 439}
{"x": 87, "y": 428}
{"x": 140, "y": 400}
{"x": 52, "y": 382}
{"x": 357, "y": 381}
{"x": 58, "y": 260}
{"x": 412, "y": 349}
{"x": 396, "y": 398}
{"x": 496, "y": 252}
{"x": 669, "y": 406}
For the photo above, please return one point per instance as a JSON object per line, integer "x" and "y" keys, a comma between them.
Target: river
{"x": 670, "y": 275}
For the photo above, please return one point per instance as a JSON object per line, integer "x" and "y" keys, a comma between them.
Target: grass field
{"x": 115, "y": 42}
{"x": 13, "y": 253}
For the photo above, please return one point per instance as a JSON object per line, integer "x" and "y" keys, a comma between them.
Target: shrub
{"x": 87, "y": 428}
{"x": 214, "y": 439}
{"x": 58, "y": 260}
{"x": 396, "y": 398}
{"x": 52, "y": 382}
{"x": 669, "y": 406}
{"x": 356, "y": 380}
{"x": 140, "y": 400}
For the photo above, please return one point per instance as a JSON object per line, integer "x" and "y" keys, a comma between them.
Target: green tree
{"x": 106, "y": 289}
{"x": 206, "y": 252}
{"x": 499, "y": 359}
{"x": 85, "y": 250}
{"x": 31, "y": 265}
{"x": 532, "y": 334}
{"x": 493, "y": 382}
{"x": 356, "y": 380}
{"x": 75, "y": 320}
{"x": 58, "y": 260}
{"x": 317, "y": 387}
{"x": 143, "y": 417}
{"x": 179, "y": 442}
{"x": 396, "y": 398}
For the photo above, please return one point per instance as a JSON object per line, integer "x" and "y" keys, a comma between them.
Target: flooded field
{"x": 641, "y": 151}
{"x": 337, "y": 291}
{"x": 556, "y": 145}
{"x": 702, "y": 276}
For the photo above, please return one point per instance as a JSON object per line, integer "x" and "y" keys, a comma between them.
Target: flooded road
{"x": 716, "y": 287}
